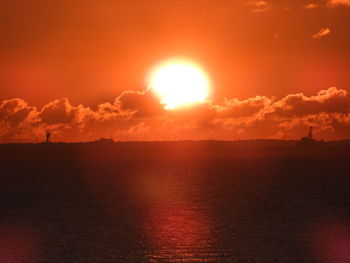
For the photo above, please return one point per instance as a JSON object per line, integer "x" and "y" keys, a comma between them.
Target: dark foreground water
{"x": 276, "y": 209}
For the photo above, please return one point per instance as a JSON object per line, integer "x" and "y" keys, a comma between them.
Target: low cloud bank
{"x": 136, "y": 115}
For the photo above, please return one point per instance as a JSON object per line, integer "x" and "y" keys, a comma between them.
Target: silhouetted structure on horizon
{"x": 104, "y": 140}
{"x": 48, "y": 136}
{"x": 308, "y": 142}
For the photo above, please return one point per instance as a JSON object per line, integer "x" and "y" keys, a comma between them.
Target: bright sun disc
{"x": 179, "y": 83}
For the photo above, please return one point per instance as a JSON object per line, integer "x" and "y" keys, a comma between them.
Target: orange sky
{"x": 90, "y": 52}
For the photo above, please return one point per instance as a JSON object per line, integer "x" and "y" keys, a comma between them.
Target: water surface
{"x": 175, "y": 210}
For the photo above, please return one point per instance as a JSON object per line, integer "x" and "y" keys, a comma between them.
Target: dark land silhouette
{"x": 185, "y": 201}
{"x": 175, "y": 149}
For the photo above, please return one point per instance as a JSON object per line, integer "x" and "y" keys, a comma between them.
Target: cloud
{"x": 310, "y": 6}
{"x": 237, "y": 108}
{"x": 323, "y": 32}
{"x": 332, "y": 100}
{"x": 328, "y": 111}
{"x": 265, "y": 117}
{"x": 137, "y": 115}
{"x": 15, "y": 111}
{"x": 258, "y": 6}
{"x": 57, "y": 111}
{"x": 61, "y": 113}
{"x": 15, "y": 117}
{"x": 141, "y": 103}
{"x": 334, "y": 3}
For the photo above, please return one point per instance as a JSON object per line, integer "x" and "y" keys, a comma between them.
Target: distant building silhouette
{"x": 309, "y": 138}
{"x": 104, "y": 140}
{"x": 308, "y": 142}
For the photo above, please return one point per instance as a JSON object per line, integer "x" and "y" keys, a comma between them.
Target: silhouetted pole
{"x": 48, "y": 135}
{"x": 310, "y": 132}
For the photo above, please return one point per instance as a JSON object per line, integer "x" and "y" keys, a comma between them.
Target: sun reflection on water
{"x": 176, "y": 226}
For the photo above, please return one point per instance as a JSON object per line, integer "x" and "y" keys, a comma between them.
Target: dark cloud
{"x": 15, "y": 111}
{"x": 237, "y": 108}
{"x": 142, "y": 103}
{"x": 60, "y": 113}
{"x": 17, "y": 120}
{"x": 57, "y": 111}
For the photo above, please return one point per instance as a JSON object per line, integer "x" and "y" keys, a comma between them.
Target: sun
{"x": 179, "y": 83}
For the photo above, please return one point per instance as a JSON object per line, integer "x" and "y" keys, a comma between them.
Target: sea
{"x": 201, "y": 209}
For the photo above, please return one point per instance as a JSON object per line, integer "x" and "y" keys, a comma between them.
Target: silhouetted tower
{"x": 48, "y": 135}
{"x": 310, "y": 133}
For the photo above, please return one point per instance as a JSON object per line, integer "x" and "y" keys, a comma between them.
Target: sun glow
{"x": 179, "y": 83}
